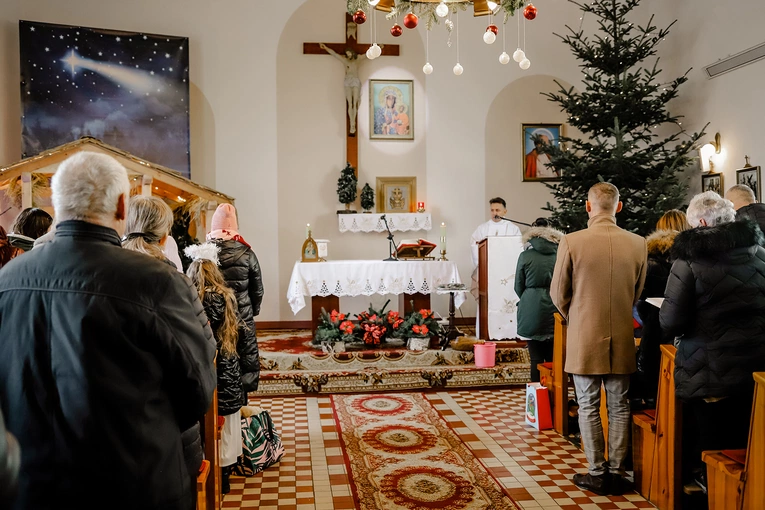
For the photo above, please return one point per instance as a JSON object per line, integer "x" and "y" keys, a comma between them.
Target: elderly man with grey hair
{"x": 105, "y": 356}
{"x": 745, "y": 204}
{"x": 715, "y": 307}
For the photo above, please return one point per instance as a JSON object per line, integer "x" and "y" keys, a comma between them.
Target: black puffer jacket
{"x": 715, "y": 304}
{"x": 755, "y": 212}
{"x": 241, "y": 271}
{"x": 230, "y": 395}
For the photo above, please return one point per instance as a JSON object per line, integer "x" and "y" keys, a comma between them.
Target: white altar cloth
{"x": 398, "y": 222}
{"x": 367, "y": 277}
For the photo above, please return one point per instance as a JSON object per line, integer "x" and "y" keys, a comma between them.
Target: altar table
{"x": 335, "y": 278}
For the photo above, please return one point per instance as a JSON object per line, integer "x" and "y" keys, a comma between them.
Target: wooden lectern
{"x": 497, "y": 301}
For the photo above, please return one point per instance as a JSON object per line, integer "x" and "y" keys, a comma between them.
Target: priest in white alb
{"x": 496, "y": 226}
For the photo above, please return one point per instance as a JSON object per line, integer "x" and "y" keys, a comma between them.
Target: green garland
{"x": 426, "y": 11}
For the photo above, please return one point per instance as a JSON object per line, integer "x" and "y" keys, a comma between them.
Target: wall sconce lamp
{"x": 708, "y": 152}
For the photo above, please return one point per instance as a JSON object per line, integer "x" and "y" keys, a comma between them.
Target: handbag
{"x": 261, "y": 444}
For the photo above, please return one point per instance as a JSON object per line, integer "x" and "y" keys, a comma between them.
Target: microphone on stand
{"x": 498, "y": 217}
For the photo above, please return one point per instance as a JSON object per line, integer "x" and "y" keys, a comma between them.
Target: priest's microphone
{"x": 498, "y": 217}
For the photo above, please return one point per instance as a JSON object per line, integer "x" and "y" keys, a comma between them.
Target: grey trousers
{"x": 588, "y": 395}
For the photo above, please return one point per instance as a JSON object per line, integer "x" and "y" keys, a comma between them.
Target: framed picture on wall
{"x": 535, "y": 165}
{"x": 750, "y": 176}
{"x": 396, "y": 194}
{"x": 712, "y": 182}
{"x": 391, "y": 110}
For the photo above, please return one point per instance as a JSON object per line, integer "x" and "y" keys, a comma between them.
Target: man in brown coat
{"x": 599, "y": 274}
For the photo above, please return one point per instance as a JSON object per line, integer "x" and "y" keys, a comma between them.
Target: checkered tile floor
{"x": 535, "y": 467}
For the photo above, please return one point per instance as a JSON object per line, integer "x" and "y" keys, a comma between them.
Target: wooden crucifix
{"x": 349, "y": 53}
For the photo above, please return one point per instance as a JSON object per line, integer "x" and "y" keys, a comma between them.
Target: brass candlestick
{"x": 443, "y": 255}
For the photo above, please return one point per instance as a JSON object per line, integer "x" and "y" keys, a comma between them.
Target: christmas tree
{"x": 367, "y": 197}
{"x": 347, "y": 186}
{"x": 620, "y": 111}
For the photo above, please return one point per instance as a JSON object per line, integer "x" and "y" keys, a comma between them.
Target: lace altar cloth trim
{"x": 367, "y": 277}
{"x": 398, "y": 222}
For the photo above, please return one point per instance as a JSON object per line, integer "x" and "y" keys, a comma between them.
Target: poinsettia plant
{"x": 334, "y": 327}
{"x": 419, "y": 324}
{"x": 373, "y": 325}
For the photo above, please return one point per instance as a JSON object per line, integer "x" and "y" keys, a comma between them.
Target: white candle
{"x": 307, "y": 229}
{"x": 443, "y": 236}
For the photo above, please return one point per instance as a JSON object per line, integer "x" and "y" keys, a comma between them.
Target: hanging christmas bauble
{"x": 519, "y": 55}
{"x": 442, "y": 10}
{"x": 427, "y": 68}
{"x": 457, "y": 69}
{"x": 396, "y": 30}
{"x": 370, "y": 53}
{"x": 530, "y": 12}
{"x": 489, "y": 37}
{"x": 376, "y": 50}
{"x": 525, "y": 64}
{"x": 493, "y": 28}
{"x": 504, "y": 58}
{"x": 410, "y": 20}
{"x": 359, "y": 17}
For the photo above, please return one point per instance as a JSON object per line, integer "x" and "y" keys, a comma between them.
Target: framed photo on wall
{"x": 534, "y": 164}
{"x": 396, "y": 194}
{"x": 391, "y": 110}
{"x": 712, "y": 182}
{"x": 750, "y": 176}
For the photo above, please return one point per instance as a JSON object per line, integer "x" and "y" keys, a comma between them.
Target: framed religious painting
{"x": 712, "y": 182}
{"x": 750, "y": 176}
{"x": 127, "y": 89}
{"x": 396, "y": 194}
{"x": 535, "y": 164}
{"x": 391, "y": 109}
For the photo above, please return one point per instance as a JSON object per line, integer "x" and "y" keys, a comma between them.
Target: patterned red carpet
{"x": 402, "y": 454}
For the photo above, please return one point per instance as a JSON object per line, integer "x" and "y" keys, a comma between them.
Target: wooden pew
{"x": 560, "y": 378}
{"x": 204, "y": 473}
{"x": 664, "y": 488}
{"x": 211, "y": 439}
{"x": 736, "y": 478}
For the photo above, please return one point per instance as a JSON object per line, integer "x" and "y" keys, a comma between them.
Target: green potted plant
{"x": 334, "y": 331}
{"x": 347, "y": 188}
{"x": 373, "y": 325}
{"x": 367, "y": 198}
{"x": 418, "y": 328}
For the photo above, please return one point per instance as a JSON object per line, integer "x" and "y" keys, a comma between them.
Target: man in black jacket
{"x": 105, "y": 356}
{"x": 745, "y": 204}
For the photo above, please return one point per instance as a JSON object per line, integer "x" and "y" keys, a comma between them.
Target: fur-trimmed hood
{"x": 542, "y": 239}
{"x": 719, "y": 241}
{"x": 660, "y": 242}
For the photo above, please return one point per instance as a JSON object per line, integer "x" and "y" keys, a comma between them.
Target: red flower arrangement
{"x": 334, "y": 327}
{"x": 374, "y": 324}
{"x": 419, "y": 325}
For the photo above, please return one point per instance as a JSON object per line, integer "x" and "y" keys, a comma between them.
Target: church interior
{"x": 270, "y": 110}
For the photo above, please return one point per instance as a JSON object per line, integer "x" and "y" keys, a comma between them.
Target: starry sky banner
{"x": 128, "y": 89}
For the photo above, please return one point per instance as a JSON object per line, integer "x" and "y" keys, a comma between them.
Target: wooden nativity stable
{"x": 27, "y": 184}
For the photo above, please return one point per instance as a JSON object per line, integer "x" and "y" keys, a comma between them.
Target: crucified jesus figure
{"x": 352, "y": 82}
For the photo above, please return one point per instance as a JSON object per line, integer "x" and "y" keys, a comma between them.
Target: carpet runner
{"x": 402, "y": 455}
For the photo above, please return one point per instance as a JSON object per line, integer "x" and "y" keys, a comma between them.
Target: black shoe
{"x": 597, "y": 484}
{"x": 620, "y": 485}
{"x": 225, "y": 485}
{"x": 700, "y": 478}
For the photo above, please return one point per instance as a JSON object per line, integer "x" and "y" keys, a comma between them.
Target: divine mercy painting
{"x": 391, "y": 109}
{"x": 128, "y": 89}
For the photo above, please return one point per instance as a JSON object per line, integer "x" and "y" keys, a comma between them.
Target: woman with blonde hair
{"x": 147, "y": 226}
{"x": 222, "y": 311}
{"x": 673, "y": 219}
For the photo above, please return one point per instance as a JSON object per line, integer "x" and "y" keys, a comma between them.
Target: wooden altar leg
{"x": 420, "y": 301}
{"x": 329, "y": 303}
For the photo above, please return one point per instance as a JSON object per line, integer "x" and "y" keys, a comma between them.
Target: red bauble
{"x": 396, "y": 30}
{"x": 410, "y": 20}
{"x": 530, "y": 12}
{"x": 359, "y": 17}
{"x": 493, "y": 28}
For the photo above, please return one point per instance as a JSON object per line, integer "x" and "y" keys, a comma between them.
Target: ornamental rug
{"x": 402, "y": 455}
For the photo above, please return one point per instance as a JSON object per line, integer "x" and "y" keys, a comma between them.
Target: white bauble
{"x": 504, "y": 58}
{"x": 370, "y": 53}
{"x": 519, "y": 55}
{"x": 442, "y": 10}
{"x": 525, "y": 64}
{"x": 377, "y": 50}
{"x": 373, "y": 2}
{"x": 489, "y": 37}
{"x": 427, "y": 68}
{"x": 457, "y": 69}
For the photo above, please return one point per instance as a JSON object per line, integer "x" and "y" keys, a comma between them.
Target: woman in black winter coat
{"x": 645, "y": 382}
{"x": 715, "y": 306}
{"x": 222, "y": 312}
{"x": 241, "y": 270}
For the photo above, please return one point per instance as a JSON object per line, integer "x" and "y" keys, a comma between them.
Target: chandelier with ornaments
{"x": 430, "y": 13}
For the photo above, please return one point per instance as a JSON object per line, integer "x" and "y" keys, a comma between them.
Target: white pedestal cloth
{"x": 503, "y": 301}
{"x": 367, "y": 277}
{"x": 398, "y": 222}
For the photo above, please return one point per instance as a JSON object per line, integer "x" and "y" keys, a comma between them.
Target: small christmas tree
{"x": 619, "y": 111}
{"x": 347, "y": 187}
{"x": 367, "y": 198}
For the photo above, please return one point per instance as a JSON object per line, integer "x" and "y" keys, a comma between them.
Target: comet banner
{"x": 128, "y": 89}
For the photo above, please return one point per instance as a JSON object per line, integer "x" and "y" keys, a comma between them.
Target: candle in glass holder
{"x": 420, "y": 207}
{"x": 443, "y": 236}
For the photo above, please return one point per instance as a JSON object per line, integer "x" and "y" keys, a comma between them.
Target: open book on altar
{"x": 414, "y": 248}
